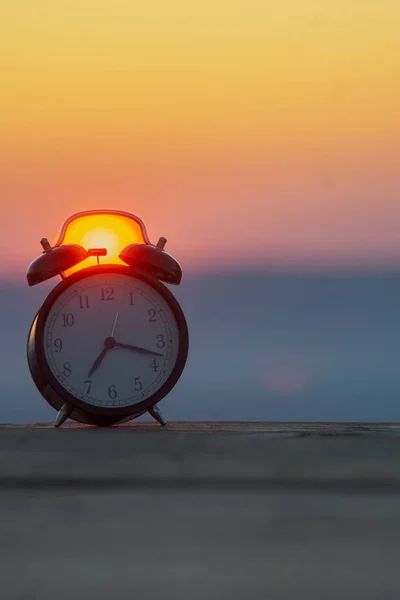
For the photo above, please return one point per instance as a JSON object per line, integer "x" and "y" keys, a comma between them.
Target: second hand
{"x": 115, "y": 324}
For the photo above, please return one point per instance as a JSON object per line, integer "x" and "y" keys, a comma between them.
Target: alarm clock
{"x": 110, "y": 340}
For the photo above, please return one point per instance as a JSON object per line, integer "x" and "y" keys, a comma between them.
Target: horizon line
{"x": 352, "y": 270}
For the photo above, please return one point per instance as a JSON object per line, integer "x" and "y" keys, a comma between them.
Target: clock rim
{"x": 46, "y": 374}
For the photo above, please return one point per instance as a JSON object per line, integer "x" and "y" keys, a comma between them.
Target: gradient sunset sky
{"x": 245, "y": 131}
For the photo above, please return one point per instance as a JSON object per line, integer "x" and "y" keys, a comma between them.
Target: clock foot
{"x": 63, "y": 415}
{"x": 155, "y": 412}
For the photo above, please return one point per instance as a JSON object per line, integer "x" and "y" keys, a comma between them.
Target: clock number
{"x": 160, "y": 341}
{"x": 112, "y": 392}
{"x": 58, "y": 345}
{"x": 107, "y": 294}
{"x": 155, "y": 366}
{"x": 89, "y": 385}
{"x": 131, "y": 298}
{"x": 152, "y": 315}
{"x": 83, "y": 301}
{"x": 67, "y": 369}
{"x": 138, "y": 384}
{"x": 68, "y": 319}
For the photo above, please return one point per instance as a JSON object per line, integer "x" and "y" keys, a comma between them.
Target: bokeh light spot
{"x": 286, "y": 377}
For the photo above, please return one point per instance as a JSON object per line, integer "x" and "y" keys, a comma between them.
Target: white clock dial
{"x": 111, "y": 340}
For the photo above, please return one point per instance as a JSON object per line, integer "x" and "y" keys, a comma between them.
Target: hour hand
{"x": 138, "y": 349}
{"x": 98, "y": 361}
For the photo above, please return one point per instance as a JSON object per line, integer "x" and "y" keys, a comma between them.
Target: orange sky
{"x": 245, "y": 131}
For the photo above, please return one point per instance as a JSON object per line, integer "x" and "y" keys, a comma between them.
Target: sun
{"x": 101, "y": 237}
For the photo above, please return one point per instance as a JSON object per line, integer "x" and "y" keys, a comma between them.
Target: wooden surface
{"x": 295, "y": 428}
{"x": 217, "y": 510}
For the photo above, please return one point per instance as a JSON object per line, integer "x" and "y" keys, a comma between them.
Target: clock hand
{"x": 138, "y": 349}
{"x": 98, "y": 361}
{"x": 109, "y": 344}
{"x": 115, "y": 323}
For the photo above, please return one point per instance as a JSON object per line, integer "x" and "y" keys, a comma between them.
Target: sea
{"x": 264, "y": 346}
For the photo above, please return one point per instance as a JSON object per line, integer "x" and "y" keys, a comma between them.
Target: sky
{"x": 250, "y": 133}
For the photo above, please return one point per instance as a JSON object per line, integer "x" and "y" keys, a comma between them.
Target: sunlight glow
{"x": 109, "y": 231}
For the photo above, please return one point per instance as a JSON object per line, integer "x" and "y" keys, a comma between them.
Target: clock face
{"x": 111, "y": 340}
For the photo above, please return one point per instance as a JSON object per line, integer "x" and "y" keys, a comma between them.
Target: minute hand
{"x": 138, "y": 349}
